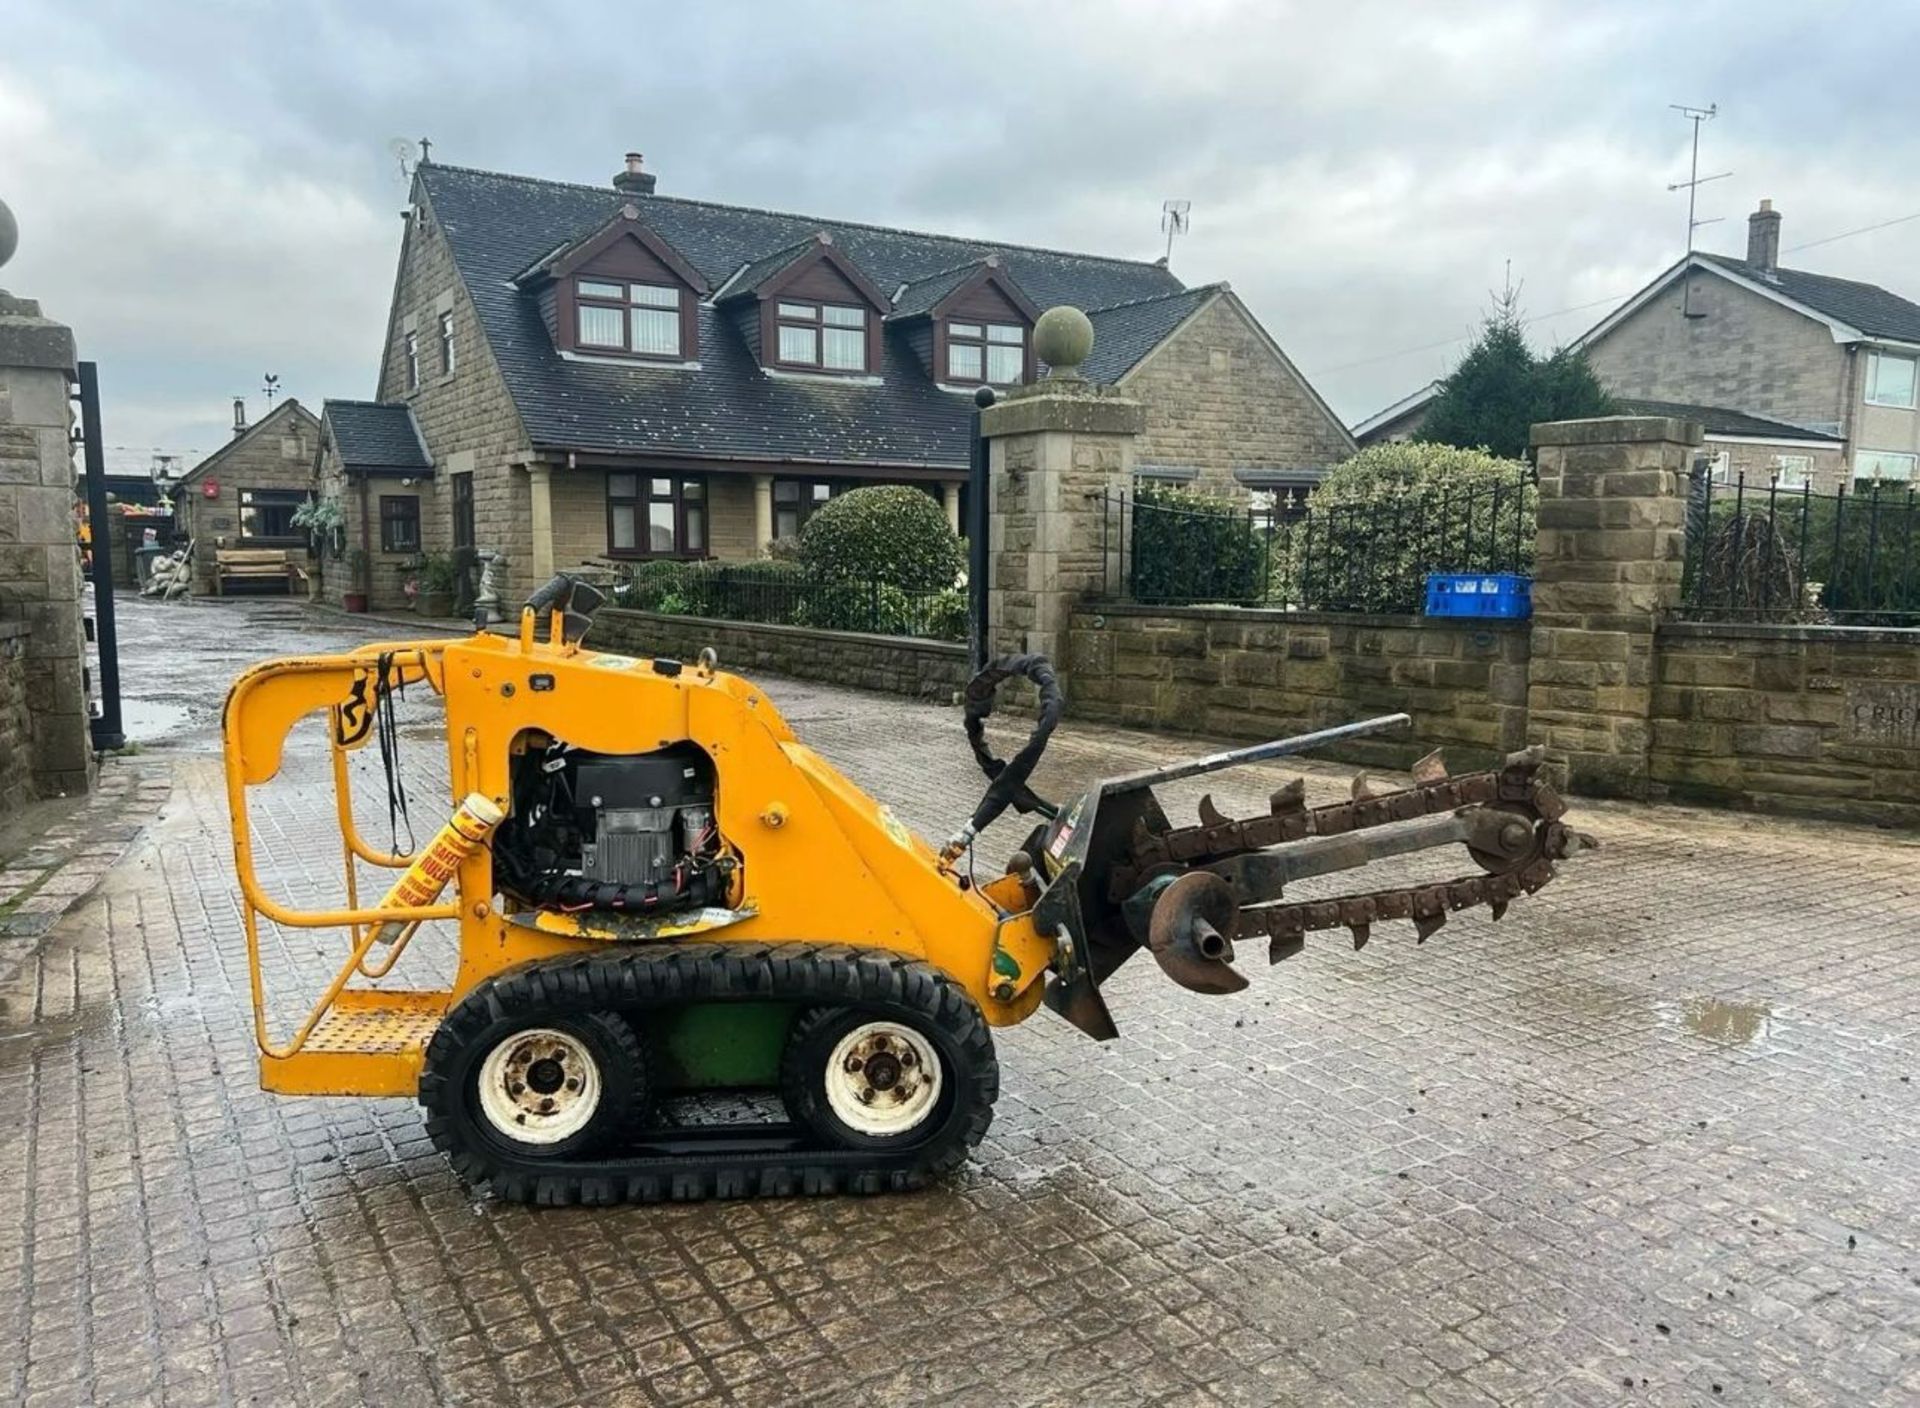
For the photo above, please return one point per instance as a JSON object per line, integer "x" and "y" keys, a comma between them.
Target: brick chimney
{"x": 1763, "y": 238}
{"x": 633, "y": 181}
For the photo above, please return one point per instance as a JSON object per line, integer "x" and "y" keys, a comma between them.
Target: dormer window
{"x": 995, "y": 353}
{"x": 823, "y": 336}
{"x": 640, "y": 319}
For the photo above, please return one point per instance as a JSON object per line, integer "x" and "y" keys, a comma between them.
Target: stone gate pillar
{"x": 40, "y": 579}
{"x": 1612, "y": 544}
{"x": 1058, "y": 449}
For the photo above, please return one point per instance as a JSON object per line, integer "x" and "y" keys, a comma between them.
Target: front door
{"x": 465, "y": 564}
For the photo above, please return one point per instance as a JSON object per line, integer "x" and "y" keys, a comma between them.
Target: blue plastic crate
{"x": 1502, "y": 594}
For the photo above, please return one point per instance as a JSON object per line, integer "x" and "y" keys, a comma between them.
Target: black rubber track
{"x": 724, "y": 1162}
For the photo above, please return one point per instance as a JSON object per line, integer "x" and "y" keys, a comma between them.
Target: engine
{"x": 626, "y": 831}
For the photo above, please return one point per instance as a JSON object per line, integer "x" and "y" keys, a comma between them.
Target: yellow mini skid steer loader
{"x": 665, "y": 900}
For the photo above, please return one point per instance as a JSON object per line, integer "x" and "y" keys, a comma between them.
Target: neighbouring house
{"x": 374, "y": 464}
{"x": 595, "y": 373}
{"x": 244, "y": 494}
{"x": 1796, "y": 376}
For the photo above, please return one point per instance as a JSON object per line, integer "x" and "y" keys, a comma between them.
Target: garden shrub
{"x": 886, "y": 533}
{"x": 1191, "y": 547}
{"x": 1380, "y": 522}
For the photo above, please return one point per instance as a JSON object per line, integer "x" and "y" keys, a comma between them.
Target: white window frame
{"x": 446, "y": 344}
{"x": 1874, "y": 360}
{"x": 1721, "y": 466}
{"x": 1793, "y": 471}
{"x": 412, "y": 352}
{"x": 1905, "y": 458}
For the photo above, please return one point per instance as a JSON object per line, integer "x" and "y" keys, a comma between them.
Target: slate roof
{"x": 375, "y": 436}
{"x": 498, "y": 225}
{"x": 1719, "y": 420}
{"x": 1868, "y": 307}
{"x": 1123, "y": 333}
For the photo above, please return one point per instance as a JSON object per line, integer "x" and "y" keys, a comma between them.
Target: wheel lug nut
{"x": 854, "y": 1063}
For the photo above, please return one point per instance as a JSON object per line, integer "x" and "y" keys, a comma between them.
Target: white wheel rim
{"x": 883, "y": 1079}
{"x": 539, "y": 1086}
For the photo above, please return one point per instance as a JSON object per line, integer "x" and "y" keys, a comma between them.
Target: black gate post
{"x": 977, "y": 460}
{"x": 107, "y": 732}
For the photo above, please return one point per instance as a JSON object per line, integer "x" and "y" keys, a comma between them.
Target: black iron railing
{"x": 1760, "y": 552}
{"x": 1369, "y": 555}
{"x": 784, "y": 594}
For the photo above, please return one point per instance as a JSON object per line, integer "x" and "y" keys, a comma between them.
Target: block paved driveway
{"x": 1650, "y": 1140}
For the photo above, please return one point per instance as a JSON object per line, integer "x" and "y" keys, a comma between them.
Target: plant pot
{"x": 434, "y": 604}
{"x": 354, "y": 601}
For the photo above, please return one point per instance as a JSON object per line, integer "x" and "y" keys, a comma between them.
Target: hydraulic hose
{"x": 1007, "y": 779}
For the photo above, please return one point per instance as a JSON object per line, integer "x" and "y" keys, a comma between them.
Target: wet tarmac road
{"x": 1651, "y": 1139}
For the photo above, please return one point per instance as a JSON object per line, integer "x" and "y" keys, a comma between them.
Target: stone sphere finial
{"x": 1063, "y": 339}
{"x": 9, "y": 233}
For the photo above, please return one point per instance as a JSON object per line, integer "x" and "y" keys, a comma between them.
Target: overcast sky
{"x": 205, "y": 190}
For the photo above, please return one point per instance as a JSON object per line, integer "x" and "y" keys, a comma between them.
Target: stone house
{"x": 1736, "y": 443}
{"x": 1797, "y": 376}
{"x": 610, "y": 373}
{"x": 244, "y": 494}
{"x": 373, "y": 463}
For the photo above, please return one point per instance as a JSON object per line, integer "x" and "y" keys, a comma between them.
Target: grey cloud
{"x": 206, "y": 192}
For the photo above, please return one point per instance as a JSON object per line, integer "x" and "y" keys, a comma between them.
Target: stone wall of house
{"x": 918, "y": 669}
{"x": 40, "y": 582}
{"x": 1760, "y": 463}
{"x": 1708, "y": 358}
{"x": 466, "y": 417}
{"x": 1219, "y": 396}
{"x": 277, "y": 452}
{"x": 1263, "y": 674}
{"x": 579, "y": 499}
{"x": 1806, "y": 719}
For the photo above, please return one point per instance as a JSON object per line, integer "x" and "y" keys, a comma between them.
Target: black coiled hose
{"x": 1007, "y": 781}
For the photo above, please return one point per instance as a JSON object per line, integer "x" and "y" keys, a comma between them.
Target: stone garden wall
{"x": 1262, "y": 674}
{"x": 1822, "y": 721}
{"x": 919, "y": 669}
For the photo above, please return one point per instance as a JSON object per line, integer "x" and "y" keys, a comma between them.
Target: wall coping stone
{"x": 930, "y": 647}
{"x": 1617, "y": 430}
{"x": 1267, "y": 615}
{"x": 15, "y": 630}
{"x": 1075, "y": 406}
{"x": 29, "y": 340}
{"x": 1768, "y": 630}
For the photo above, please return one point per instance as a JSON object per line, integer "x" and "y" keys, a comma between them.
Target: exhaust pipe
{"x": 1190, "y": 932}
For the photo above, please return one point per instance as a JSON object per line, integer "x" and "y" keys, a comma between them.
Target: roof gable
{"x": 289, "y": 409}
{"x": 934, "y": 295}
{"x": 624, "y": 226}
{"x": 772, "y": 275}
{"x": 1851, "y": 312}
{"x": 1874, "y": 311}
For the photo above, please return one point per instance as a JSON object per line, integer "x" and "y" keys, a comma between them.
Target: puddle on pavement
{"x": 151, "y": 720}
{"x": 1728, "y": 1023}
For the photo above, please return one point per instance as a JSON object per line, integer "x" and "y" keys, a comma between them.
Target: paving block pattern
{"x": 1648, "y": 1140}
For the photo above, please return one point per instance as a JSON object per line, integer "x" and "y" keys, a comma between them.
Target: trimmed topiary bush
{"x": 886, "y": 533}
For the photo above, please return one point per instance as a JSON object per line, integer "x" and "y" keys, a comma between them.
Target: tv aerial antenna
{"x": 1692, "y": 186}
{"x": 1175, "y": 217}
{"x": 401, "y": 150}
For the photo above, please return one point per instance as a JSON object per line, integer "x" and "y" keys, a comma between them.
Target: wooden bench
{"x": 251, "y": 565}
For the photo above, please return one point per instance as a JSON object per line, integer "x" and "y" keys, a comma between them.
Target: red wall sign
{"x": 209, "y": 488}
